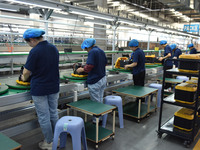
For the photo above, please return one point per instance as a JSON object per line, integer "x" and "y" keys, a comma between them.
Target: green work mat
{"x": 137, "y": 91}
{"x": 72, "y": 80}
{"x": 120, "y": 70}
{"x": 75, "y": 78}
{"x": 151, "y": 66}
{"x": 14, "y": 85}
{"x": 131, "y": 109}
{"x": 8, "y": 144}
{"x": 14, "y": 91}
{"x": 90, "y": 129}
{"x": 3, "y": 89}
{"x": 90, "y": 106}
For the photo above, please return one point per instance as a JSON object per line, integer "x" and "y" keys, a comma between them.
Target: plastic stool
{"x": 74, "y": 126}
{"x": 117, "y": 101}
{"x": 184, "y": 78}
{"x": 159, "y": 87}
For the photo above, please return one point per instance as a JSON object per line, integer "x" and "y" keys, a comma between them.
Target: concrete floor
{"x": 135, "y": 136}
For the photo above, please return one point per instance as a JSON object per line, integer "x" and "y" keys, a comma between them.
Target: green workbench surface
{"x": 152, "y": 66}
{"x": 171, "y": 80}
{"x": 8, "y": 144}
{"x": 131, "y": 109}
{"x": 119, "y": 70}
{"x": 74, "y": 78}
{"x": 14, "y": 85}
{"x": 137, "y": 91}
{"x": 3, "y": 89}
{"x": 90, "y": 129}
{"x": 75, "y": 52}
{"x": 91, "y": 107}
{"x": 129, "y": 71}
{"x": 14, "y": 91}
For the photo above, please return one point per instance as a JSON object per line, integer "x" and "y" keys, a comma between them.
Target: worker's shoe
{"x": 45, "y": 146}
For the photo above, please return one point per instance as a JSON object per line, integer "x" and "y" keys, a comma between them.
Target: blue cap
{"x": 163, "y": 42}
{"x": 173, "y": 46}
{"x": 190, "y": 45}
{"x": 88, "y": 43}
{"x": 133, "y": 43}
{"x": 33, "y": 33}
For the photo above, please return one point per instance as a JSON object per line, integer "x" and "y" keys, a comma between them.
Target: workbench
{"x": 154, "y": 66}
{"x": 75, "y": 79}
{"x": 97, "y": 110}
{"x": 8, "y": 144}
{"x": 134, "y": 109}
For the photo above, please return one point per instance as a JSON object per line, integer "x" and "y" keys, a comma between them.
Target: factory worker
{"x": 43, "y": 65}
{"x": 176, "y": 52}
{"x": 138, "y": 65}
{"x": 168, "y": 64}
{"x": 96, "y": 69}
{"x": 192, "y": 49}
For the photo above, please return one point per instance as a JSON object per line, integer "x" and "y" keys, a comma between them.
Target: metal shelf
{"x": 177, "y": 72}
{"x": 168, "y": 128}
{"x": 170, "y": 100}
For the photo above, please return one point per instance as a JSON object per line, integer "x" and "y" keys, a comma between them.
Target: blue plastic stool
{"x": 159, "y": 87}
{"x": 117, "y": 101}
{"x": 184, "y": 78}
{"x": 74, "y": 126}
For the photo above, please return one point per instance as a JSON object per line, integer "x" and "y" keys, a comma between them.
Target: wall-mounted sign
{"x": 191, "y": 28}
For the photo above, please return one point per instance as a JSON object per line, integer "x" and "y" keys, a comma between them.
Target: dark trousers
{"x": 138, "y": 79}
{"x": 167, "y": 85}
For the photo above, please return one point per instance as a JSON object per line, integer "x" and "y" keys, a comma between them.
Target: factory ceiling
{"x": 157, "y": 12}
{"x": 179, "y": 11}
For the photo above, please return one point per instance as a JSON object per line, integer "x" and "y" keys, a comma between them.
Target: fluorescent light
{"x": 168, "y": 30}
{"x": 125, "y": 27}
{"x": 61, "y": 12}
{"x": 96, "y": 23}
{"x": 89, "y": 18}
{"x": 85, "y": 13}
{"x": 130, "y": 9}
{"x": 155, "y": 27}
{"x": 130, "y": 22}
{"x": 34, "y": 3}
{"x": 64, "y": 17}
{"x": 7, "y": 9}
{"x": 144, "y": 16}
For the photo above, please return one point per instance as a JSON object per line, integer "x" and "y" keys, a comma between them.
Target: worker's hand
{"x": 79, "y": 70}
{"x": 126, "y": 66}
{"x": 160, "y": 59}
{"x": 174, "y": 57}
{"x": 21, "y": 77}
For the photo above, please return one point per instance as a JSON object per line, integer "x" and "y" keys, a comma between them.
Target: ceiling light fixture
{"x": 7, "y": 9}
{"x": 90, "y": 14}
{"x": 34, "y": 3}
{"x": 65, "y": 17}
{"x": 130, "y": 22}
{"x": 155, "y": 27}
